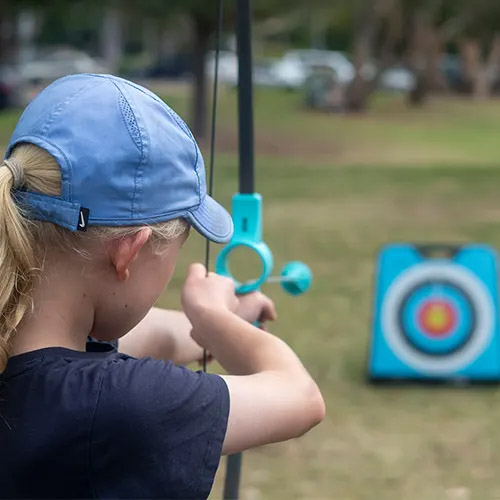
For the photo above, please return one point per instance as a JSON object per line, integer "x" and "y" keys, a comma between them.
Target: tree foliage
{"x": 415, "y": 32}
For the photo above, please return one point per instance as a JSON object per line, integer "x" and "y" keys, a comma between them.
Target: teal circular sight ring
{"x": 265, "y": 255}
{"x": 247, "y": 217}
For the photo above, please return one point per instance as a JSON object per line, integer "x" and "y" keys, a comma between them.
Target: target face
{"x": 437, "y": 317}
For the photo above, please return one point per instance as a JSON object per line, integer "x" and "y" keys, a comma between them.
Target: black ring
{"x": 410, "y": 343}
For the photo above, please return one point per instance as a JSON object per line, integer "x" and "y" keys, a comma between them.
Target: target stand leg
{"x": 233, "y": 473}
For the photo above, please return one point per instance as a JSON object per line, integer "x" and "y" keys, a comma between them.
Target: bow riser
{"x": 247, "y": 208}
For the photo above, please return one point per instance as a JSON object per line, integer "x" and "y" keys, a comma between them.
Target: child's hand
{"x": 203, "y": 293}
{"x": 256, "y": 307}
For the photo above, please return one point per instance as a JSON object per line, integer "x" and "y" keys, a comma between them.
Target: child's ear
{"x": 125, "y": 250}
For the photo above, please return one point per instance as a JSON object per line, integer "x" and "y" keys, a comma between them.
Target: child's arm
{"x": 166, "y": 335}
{"x": 273, "y": 398}
{"x": 162, "y": 334}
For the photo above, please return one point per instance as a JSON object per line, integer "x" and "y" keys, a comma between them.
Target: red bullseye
{"x": 437, "y": 318}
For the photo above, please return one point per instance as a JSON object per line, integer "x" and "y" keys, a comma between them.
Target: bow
{"x": 295, "y": 277}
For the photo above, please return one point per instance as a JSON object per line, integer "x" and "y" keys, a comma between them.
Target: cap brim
{"x": 212, "y": 221}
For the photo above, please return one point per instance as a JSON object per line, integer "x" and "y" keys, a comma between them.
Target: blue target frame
{"x": 435, "y": 316}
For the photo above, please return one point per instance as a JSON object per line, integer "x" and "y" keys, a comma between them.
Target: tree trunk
{"x": 8, "y": 39}
{"x": 364, "y": 38}
{"x": 151, "y": 39}
{"x": 28, "y": 21}
{"x": 475, "y": 70}
{"x": 317, "y": 28}
{"x": 419, "y": 49}
{"x": 435, "y": 76}
{"x": 202, "y": 32}
{"x": 493, "y": 68}
{"x": 111, "y": 39}
{"x": 368, "y": 29}
{"x": 426, "y": 48}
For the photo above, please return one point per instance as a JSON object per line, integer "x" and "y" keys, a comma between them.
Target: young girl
{"x": 99, "y": 187}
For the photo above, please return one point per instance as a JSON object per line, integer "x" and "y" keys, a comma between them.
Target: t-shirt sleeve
{"x": 158, "y": 430}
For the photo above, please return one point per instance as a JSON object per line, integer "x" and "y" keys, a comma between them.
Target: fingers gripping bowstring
{"x": 212, "y": 135}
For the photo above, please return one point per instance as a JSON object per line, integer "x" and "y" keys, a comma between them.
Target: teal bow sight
{"x": 295, "y": 277}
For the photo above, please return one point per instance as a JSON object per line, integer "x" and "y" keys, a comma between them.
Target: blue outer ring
{"x": 265, "y": 255}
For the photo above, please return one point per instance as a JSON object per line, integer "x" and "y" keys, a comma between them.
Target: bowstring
{"x": 212, "y": 136}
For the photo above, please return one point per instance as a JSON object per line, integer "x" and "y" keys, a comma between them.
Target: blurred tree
{"x": 425, "y": 45}
{"x": 387, "y": 31}
{"x": 10, "y": 11}
{"x": 478, "y": 41}
{"x": 376, "y": 32}
{"x": 111, "y": 35}
{"x": 73, "y": 22}
{"x": 58, "y": 21}
{"x": 469, "y": 28}
{"x": 202, "y": 18}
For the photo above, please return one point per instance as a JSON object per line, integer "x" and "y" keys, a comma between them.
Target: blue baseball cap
{"x": 126, "y": 158}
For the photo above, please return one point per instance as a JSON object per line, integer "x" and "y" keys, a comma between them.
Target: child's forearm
{"x": 243, "y": 349}
{"x": 162, "y": 334}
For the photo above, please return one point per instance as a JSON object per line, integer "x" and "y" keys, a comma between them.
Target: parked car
{"x": 451, "y": 66}
{"x": 263, "y": 73}
{"x": 452, "y": 70}
{"x": 12, "y": 89}
{"x": 296, "y": 65}
{"x": 50, "y": 64}
{"x": 176, "y": 67}
{"x": 398, "y": 79}
{"x": 228, "y": 66}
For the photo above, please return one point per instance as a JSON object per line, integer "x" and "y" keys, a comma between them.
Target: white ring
{"x": 481, "y": 302}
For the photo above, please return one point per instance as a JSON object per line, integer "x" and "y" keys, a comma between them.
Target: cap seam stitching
{"x": 180, "y": 122}
{"x": 59, "y": 108}
{"x": 138, "y": 171}
{"x": 188, "y": 132}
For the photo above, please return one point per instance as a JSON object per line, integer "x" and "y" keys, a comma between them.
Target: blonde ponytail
{"x": 16, "y": 262}
{"x": 23, "y": 242}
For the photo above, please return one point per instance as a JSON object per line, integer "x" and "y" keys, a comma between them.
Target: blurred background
{"x": 376, "y": 121}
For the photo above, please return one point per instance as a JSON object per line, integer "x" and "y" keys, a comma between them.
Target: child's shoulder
{"x": 146, "y": 387}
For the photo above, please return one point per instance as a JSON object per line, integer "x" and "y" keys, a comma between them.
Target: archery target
{"x": 437, "y": 317}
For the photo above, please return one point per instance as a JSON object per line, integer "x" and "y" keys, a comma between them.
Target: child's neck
{"x": 62, "y": 316}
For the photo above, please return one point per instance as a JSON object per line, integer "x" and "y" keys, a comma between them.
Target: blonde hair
{"x": 24, "y": 242}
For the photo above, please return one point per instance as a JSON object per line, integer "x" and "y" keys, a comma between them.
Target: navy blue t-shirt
{"x": 106, "y": 425}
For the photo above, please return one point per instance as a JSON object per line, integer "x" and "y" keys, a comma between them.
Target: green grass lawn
{"x": 335, "y": 189}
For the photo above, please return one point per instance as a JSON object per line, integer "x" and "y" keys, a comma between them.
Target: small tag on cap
{"x": 83, "y": 219}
